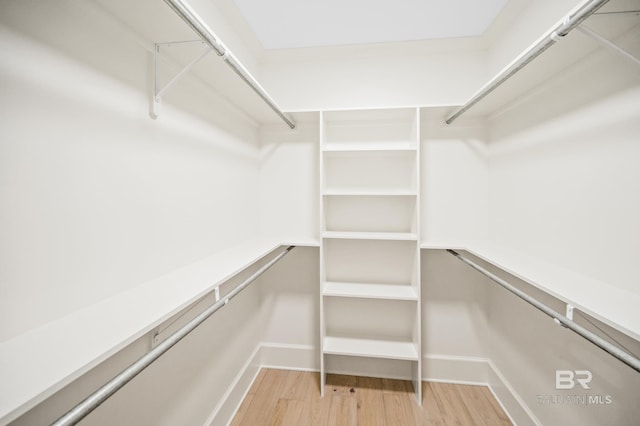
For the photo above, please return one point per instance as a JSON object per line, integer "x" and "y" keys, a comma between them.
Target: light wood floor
{"x": 281, "y": 397}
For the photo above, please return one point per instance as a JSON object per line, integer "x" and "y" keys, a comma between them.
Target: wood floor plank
{"x": 266, "y": 397}
{"x": 343, "y": 411}
{"x": 286, "y": 398}
{"x": 456, "y": 409}
{"x": 293, "y": 386}
{"x": 257, "y": 381}
{"x": 320, "y": 410}
{"x": 394, "y": 386}
{"x": 370, "y": 402}
{"x": 504, "y": 419}
{"x": 338, "y": 384}
{"x": 239, "y": 417}
{"x": 398, "y": 410}
{"x": 477, "y": 405}
{"x": 287, "y": 412}
{"x": 316, "y": 409}
{"x": 430, "y": 411}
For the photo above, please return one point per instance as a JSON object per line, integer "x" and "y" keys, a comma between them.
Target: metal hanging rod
{"x": 563, "y": 320}
{"x": 200, "y": 27}
{"x": 92, "y": 402}
{"x": 568, "y": 24}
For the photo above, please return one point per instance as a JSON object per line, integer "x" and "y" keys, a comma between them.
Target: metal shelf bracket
{"x": 158, "y": 90}
{"x": 608, "y": 44}
{"x": 569, "y": 311}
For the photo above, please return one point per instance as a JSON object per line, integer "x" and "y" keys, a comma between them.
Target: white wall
{"x": 96, "y": 197}
{"x": 527, "y": 348}
{"x": 289, "y": 179}
{"x": 290, "y": 315}
{"x": 394, "y": 75}
{"x": 563, "y": 183}
{"x": 454, "y": 173}
{"x": 564, "y": 173}
{"x": 455, "y": 328}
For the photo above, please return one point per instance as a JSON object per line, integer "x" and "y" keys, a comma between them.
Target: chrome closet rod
{"x": 92, "y": 402}
{"x": 603, "y": 344}
{"x": 568, "y": 24}
{"x": 200, "y": 27}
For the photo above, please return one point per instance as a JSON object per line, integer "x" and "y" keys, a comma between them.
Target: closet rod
{"x": 603, "y": 344}
{"x": 568, "y": 24}
{"x": 197, "y": 24}
{"x": 92, "y": 402}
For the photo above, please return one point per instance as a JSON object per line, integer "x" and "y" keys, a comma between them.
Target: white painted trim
{"x": 290, "y": 357}
{"x": 516, "y": 409}
{"x": 436, "y": 368}
{"x": 455, "y": 369}
{"x": 230, "y": 402}
{"x": 265, "y": 355}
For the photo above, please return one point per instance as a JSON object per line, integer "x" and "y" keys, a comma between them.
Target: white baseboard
{"x": 455, "y": 369}
{"x": 290, "y": 357}
{"x": 436, "y": 368}
{"x": 512, "y": 404}
{"x": 227, "y": 407}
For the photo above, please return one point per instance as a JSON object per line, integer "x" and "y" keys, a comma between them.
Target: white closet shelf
{"x": 40, "y": 362}
{"x": 619, "y": 309}
{"x": 380, "y": 192}
{"x": 370, "y": 291}
{"x": 572, "y": 50}
{"x": 398, "y": 236}
{"x": 364, "y": 147}
{"x": 371, "y": 348}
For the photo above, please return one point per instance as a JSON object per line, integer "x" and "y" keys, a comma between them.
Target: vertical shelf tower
{"x": 369, "y": 254}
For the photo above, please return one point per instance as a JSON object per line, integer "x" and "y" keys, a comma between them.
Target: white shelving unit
{"x": 370, "y": 255}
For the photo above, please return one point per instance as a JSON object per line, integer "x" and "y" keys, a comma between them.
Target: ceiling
{"x": 281, "y": 24}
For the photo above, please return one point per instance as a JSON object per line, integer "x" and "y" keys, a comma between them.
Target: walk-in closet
{"x": 244, "y": 212}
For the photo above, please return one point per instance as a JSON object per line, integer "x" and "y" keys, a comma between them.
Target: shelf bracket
{"x": 608, "y": 44}
{"x": 158, "y": 91}
{"x": 569, "y": 311}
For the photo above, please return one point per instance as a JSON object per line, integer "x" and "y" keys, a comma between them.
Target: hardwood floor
{"x": 282, "y": 397}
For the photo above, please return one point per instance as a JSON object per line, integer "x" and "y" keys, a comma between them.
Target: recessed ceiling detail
{"x": 281, "y": 24}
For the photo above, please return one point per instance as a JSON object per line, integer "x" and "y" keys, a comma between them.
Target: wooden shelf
{"x": 393, "y": 236}
{"x": 370, "y": 291}
{"x": 371, "y": 348}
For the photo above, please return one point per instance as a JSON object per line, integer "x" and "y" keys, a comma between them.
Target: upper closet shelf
{"x": 611, "y": 305}
{"x": 541, "y": 61}
{"x": 36, "y": 364}
{"x": 164, "y": 28}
